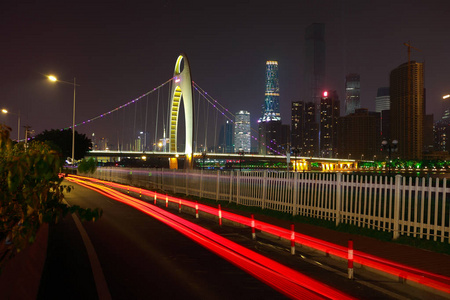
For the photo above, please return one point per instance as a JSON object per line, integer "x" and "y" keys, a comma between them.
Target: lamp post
{"x": 295, "y": 151}
{"x": 241, "y": 153}
{"x": 5, "y": 111}
{"x": 203, "y": 156}
{"x": 390, "y": 146}
{"x": 74, "y": 83}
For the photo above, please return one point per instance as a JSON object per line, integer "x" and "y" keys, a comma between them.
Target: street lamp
{"x": 295, "y": 151}
{"x": 390, "y": 147}
{"x": 203, "y": 156}
{"x": 5, "y": 111}
{"x": 74, "y": 83}
{"x": 241, "y": 153}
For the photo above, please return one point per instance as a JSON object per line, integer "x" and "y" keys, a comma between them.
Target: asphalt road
{"x": 139, "y": 257}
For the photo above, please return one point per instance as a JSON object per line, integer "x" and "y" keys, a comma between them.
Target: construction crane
{"x": 409, "y": 50}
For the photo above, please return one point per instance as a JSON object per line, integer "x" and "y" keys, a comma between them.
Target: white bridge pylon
{"x": 182, "y": 88}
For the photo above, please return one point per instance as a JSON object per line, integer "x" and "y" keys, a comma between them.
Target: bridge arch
{"x": 182, "y": 89}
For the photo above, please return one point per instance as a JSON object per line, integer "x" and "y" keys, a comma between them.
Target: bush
{"x": 87, "y": 166}
{"x": 31, "y": 192}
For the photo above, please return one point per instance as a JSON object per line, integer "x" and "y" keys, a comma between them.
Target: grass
{"x": 435, "y": 246}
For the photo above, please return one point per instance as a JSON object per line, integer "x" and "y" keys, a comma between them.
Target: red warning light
{"x": 325, "y": 94}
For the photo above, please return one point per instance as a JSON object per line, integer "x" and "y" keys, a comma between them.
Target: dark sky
{"x": 120, "y": 50}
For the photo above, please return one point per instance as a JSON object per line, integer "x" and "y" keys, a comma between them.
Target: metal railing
{"x": 403, "y": 206}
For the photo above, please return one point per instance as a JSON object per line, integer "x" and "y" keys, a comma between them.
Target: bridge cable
{"x": 206, "y": 127}
{"x": 215, "y": 131}
{"x": 197, "y": 121}
{"x": 156, "y": 126}
{"x": 133, "y": 145}
{"x": 225, "y": 111}
{"x": 145, "y": 126}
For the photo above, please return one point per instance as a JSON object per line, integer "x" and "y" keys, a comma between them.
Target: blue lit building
{"x": 269, "y": 127}
{"x": 271, "y": 109}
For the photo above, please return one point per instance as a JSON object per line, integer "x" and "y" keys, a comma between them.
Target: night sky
{"x": 120, "y": 50}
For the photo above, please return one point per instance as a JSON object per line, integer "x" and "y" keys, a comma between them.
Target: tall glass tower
{"x": 352, "y": 93}
{"x": 242, "y": 135}
{"x": 271, "y": 109}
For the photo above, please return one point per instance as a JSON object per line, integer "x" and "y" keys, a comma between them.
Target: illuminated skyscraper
{"x": 271, "y": 110}
{"x": 383, "y": 100}
{"x": 269, "y": 127}
{"x": 242, "y": 135}
{"x": 315, "y": 64}
{"x": 329, "y": 114}
{"x": 407, "y": 109}
{"x": 352, "y": 93}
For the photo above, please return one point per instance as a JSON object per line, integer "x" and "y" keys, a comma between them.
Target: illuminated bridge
{"x": 188, "y": 127}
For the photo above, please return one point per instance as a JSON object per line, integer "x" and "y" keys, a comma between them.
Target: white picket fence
{"x": 416, "y": 207}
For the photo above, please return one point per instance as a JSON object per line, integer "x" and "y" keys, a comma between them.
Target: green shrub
{"x": 87, "y": 166}
{"x": 31, "y": 192}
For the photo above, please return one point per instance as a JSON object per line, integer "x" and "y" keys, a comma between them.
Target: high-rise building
{"x": 269, "y": 137}
{"x": 297, "y": 126}
{"x": 382, "y": 100}
{"x": 271, "y": 110}
{"x": 314, "y": 76}
{"x": 226, "y": 138}
{"x": 359, "y": 135}
{"x": 269, "y": 125}
{"x": 428, "y": 133}
{"x": 352, "y": 93}
{"x": 329, "y": 114}
{"x": 304, "y": 129}
{"x": 242, "y": 136}
{"x": 407, "y": 109}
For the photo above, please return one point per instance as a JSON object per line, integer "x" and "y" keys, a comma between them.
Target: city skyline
{"x": 119, "y": 52}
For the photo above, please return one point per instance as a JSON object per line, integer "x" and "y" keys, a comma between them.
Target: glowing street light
{"x": 54, "y": 79}
{"x": 5, "y": 111}
{"x": 446, "y": 97}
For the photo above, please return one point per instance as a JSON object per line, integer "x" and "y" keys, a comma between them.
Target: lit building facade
{"x": 226, "y": 138}
{"x": 269, "y": 125}
{"x": 271, "y": 110}
{"x": 329, "y": 114}
{"x": 304, "y": 129}
{"x": 359, "y": 135}
{"x": 407, "y": 109}
{"x": 352, "y": 93}
{"x": 382, "y": 100}
{"x": 242, "y": 135}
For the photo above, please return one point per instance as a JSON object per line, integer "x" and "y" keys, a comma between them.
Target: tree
{"x": 61, "y": 141}
{"x": 31, "y": 192}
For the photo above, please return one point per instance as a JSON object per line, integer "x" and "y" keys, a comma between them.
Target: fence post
{"x": 201, "y": 183}
{"x": 217, "y": 185}
{"x": 295, "y": 194}
{"x": 263, "y": 202}
{"x": 350, "y": 259}
{"x": 231, "y": 185}
{"x": 238, "y": 182}
{"x": 338, "y": 199}
{"x": 398, "y": 179}
{"x": 186, "y": 181}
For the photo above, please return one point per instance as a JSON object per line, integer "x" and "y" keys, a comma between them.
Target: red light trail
{"x": 435, "y": 281}
{"x": 287, "y": 281}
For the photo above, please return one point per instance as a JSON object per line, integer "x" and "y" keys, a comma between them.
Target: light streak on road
{"x": 435, "y": 281}
{"x": 287, "y": 281}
